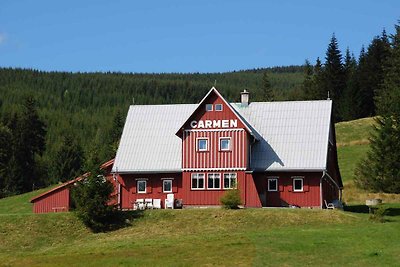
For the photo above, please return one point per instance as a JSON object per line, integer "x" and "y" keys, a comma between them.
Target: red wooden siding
{"x": 55, "y": 201}
{"x": 235, "y": 158}
{"x": 154, "y": 187}
{"x": 310, "y": 197}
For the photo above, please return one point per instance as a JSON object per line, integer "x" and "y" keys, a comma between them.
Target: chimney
{"x": 244, "y": 98}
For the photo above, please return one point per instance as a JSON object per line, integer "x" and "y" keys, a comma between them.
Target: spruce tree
{"x": 308, "y": 84}
{"x": 69, "y": 159}
{"x": 5, "y": 154}
{"x": 380, "y": 170}
{"x": 268, "y": 94}
{"x": 334, "y": 76}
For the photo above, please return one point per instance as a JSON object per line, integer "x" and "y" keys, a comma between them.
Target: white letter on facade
{"x": 225, "y": 123}
{"x": 193, "y": 124}
{"x": 208, "y": 124}
{"x": 233, "y": 123}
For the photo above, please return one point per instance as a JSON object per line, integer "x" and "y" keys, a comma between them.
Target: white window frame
{"x": 230, "y": 180}
{"x": 167, "y": 181}
{"x": 219, "y": 143}
{"x": 191, "y": 181}
{"x": 215, "y": 176}
{"x": 197, "y": 144}
{"x": 145, "y": 186}
{"x": 209, "y": 105}
{"x": 219, "y": 105}
{"x": 276, "y": 181}
{"x": 298, "y": 178}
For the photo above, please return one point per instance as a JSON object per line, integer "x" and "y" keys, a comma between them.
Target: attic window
{"x": 218, "y": 107}
{"x": 209, "y": 107}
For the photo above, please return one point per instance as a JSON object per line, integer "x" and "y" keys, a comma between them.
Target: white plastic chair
{"x": 140, "y": 204}
{"x": 329, "y": 206}
{"x": 149, "y": 203}
{"x": 169, "y": 201}
{"x": 157, "y": 203}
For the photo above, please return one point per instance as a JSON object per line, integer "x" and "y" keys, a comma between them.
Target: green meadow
{"x": 209, "y": 237}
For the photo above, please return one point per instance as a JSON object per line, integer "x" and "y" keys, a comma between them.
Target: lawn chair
{"x": 329, "y": 206}
{"x": 148, "y": 203}
{"x": 169, "y": 201}
{"x": 140, "y": 204}
{"x": 157, "y": 203}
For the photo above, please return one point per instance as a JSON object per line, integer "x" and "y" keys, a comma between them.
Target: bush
{"x": 231, "y": 199}
{"x": 91, "y": 198}
{"x": 378, "y": 214}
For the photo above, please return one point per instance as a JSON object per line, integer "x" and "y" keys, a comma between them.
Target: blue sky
{"x": 183, "y": 36}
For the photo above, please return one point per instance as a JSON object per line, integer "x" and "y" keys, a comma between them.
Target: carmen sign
{"x": 208, "y": 124}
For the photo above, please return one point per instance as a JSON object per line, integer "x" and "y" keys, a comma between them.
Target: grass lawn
{"x": 260, "y": 237}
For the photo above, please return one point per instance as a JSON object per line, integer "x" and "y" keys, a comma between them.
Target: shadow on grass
{"x": 357, "y": 208}
{"x": 392, "y": 212}
{"x": 114, "y": 221}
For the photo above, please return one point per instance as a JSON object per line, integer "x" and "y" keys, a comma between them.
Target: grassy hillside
{"x": 257, "y": 237}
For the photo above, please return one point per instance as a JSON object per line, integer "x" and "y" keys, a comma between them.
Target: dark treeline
{"x": 54, "y": 125}
{"x": 82, "y": 114}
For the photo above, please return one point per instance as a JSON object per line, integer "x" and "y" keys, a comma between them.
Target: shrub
{"x": 378, "y": 214}
{"x": 231, "y": 199}
{"x": 91, "y": 198}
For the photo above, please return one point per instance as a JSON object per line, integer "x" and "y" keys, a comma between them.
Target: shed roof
{"x": 292, "y": 135}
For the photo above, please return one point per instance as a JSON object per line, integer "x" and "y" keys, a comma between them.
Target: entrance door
{"x": 273, "y": 198}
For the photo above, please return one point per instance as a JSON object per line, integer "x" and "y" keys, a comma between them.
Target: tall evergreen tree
{"x": 69, "y": 160}
{"x": 28, "y": 142}
{"x": 334, "y": 76}
{"x": 308, "y": 83}
{"x": 380, "y": 170}
{"x": 268, "y": 93}
{"x": 5, "y": 154}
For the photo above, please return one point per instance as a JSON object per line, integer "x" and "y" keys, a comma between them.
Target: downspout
{"x": 320, "y": 189}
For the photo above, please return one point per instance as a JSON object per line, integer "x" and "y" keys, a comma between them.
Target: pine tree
{"x": 268, "y": 94}
{"x": 380, "y": 170}
{"x": 350, "y": 108}
{"x": 334, "y": 76}
{"x": 308, "y": 84}
{"x": 69, "y": 160}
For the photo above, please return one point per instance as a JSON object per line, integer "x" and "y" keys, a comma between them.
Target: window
{"x": 202, "y": 144}
{"x": 209, "y": 107}
{"x": 198, "y": 181}
{"x": 214, "y": 181}
{"x": 298, "y": 184}
{"x": 167, "y": 186}
{"x": 272, "y": 184}
{"x": 141, "y": 186}
{"x": 230, "y": 180}
{"x": 218, "y": 107}
{"x": 224, "y": 143}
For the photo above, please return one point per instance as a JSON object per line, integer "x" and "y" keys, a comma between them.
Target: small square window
{"x": 141, "y": 186}
{"x": 209, "y": 107}
{"x": 218, "y": 107}
{"x": 198, "y": 181}
{"x": 202, "y": 144}
{"x": 272, "y": 184}
{"x": 225, "y": 144}
{"x": 214, "y": 181}
{"x": 298, "y": 184}
{"x": 230, "y": 180}
{"x": 167, "y": 186}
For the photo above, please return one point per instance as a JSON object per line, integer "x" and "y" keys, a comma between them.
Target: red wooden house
{"x": 277, "y": 153}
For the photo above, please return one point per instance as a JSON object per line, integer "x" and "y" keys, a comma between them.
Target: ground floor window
{"x": 230, "y": 180}
{"x": 141, "y": 186}
{"x": 214, "y": 181}
{"x": 298, "y": 184}
{"x": 272, "y": 184}
{"x": 198, "y": 181}
{"x": 167, "y": 186}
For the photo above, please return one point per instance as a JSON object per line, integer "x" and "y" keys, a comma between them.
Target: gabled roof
{"x": 148, "y": 142}
{"x": 214, "y": 90}
{"x": 291, "y": 136}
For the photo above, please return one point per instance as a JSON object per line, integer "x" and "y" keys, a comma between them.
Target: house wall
{"x": 55, "y": 201}
{"x": 128, "y": 190}
{"x": 285, "y": 196}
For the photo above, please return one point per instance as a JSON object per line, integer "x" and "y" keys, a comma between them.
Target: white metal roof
{"x": 148, "y": 142}
{"x": 291, "y": 135}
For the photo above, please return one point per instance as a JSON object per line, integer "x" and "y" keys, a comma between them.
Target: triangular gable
{"x": 212, "y": 91}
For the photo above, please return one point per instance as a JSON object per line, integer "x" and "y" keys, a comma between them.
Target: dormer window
{"x": 218, "y": 107}
{"x": 209, "y": 107}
